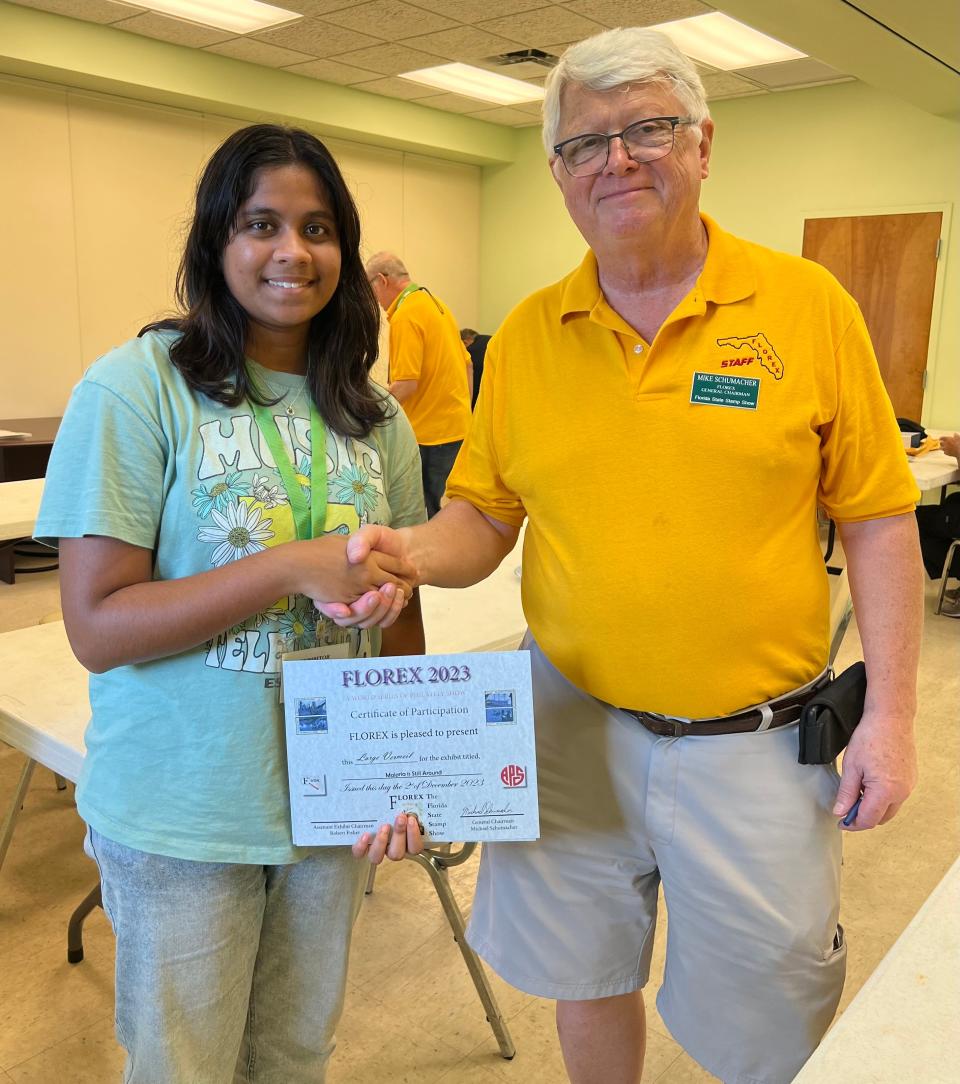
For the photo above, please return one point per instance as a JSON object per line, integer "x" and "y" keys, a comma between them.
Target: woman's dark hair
{"x": 342, "y": 343}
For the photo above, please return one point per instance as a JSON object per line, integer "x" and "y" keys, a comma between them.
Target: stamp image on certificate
{"x": 447, "y": 737}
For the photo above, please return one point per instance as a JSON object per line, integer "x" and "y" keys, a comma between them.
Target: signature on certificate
{"x": 486, "y": 809}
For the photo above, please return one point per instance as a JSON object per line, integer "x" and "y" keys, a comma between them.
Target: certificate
{"x": 447, "y": 737}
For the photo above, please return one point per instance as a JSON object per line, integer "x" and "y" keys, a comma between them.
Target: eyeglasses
{"x": 644, "y": 141}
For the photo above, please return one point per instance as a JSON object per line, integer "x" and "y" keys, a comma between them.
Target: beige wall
{"x": 778, "y": 158}
{"x": 98, "y": 204}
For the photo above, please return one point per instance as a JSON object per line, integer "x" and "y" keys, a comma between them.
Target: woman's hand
{"x": 396, "y": 842}
{"x": 325, "y": 572}
{"x": 382, "y": 545}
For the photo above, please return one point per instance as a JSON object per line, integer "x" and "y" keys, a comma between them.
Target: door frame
{"x": 936, "y": 314}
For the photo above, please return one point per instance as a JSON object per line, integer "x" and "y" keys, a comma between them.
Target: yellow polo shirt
{"x": 671, "y": 560}
{"x": 425, "y": 346}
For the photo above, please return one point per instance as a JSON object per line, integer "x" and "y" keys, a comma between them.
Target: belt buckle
{"x": 677, "y": 725}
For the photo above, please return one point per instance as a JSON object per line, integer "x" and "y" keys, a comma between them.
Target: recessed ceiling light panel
{"x": 724, "y": 43}
{"x": 240, "y": 16}
{"x": 477, "y": 83}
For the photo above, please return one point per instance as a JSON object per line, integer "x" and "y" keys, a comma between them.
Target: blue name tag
{"x": 718, "y": 389}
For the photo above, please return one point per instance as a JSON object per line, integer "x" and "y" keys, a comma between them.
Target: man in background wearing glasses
{"x": 667, "y": 417}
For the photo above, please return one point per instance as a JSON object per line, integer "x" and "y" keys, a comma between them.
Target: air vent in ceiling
{"x": 522, "y": 63}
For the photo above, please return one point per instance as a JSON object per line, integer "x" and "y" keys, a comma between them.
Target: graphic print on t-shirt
{"x": 750, "y": 349}
{"x": 242, "y": 509}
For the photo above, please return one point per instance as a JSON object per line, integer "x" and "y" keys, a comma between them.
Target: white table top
{"x": 19, "y": 504}
{"x": 935, "y": 469}
{"x": 902, "y": 1025}
{"x": 44, "y": 705}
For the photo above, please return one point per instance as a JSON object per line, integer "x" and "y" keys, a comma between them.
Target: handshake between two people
{"x": 376, "y": 556}
{"x": 381, "y": 579}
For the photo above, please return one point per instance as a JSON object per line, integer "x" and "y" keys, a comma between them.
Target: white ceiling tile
{"x": 452, "y": 103}
{"x": 473, "y": 11}
{"x": 557, "y": 48}
{"x": 505, "y": 114}
{"x": 178, "y": 31}
{"x": 727, "y": 85}
{"x": 92, "y": 11}
{"x": 528, "y": 71}
{"x": 813, "y": 86}
{"x": 388, "y": 58}
{"x": 631, "y": 13}
{"x": 332, "y": 71}
{"x": 463, "y": 43}
{"x": 530, "y": 108}
{"x": 393, "y": 87}
{"x": 391, "y": 19}
{"x": 318, "y": 7}
{"x": 792, "y": 73}
{"x": 259, "y": 52}
{"x": 316, "y": 37}
{"x": 544, "y": 24}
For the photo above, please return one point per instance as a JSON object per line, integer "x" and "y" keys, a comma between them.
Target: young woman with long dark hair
{"x": 202, "y": 488}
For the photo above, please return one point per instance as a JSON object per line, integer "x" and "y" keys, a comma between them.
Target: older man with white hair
{"x": 667, "y": 418}
{"x": 431, "y": 373}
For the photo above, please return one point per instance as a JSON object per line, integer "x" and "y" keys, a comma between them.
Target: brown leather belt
{"x": 778, "y": 712}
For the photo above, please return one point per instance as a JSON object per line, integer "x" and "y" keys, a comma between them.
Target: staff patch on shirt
{"x": 750, "y": 349}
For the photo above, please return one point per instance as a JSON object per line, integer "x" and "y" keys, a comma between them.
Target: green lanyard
{"x": 405, "y": 293}
{"x": 310, "y": 522}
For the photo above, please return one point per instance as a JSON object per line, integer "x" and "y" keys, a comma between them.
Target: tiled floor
{"x": 412, "y": 1015}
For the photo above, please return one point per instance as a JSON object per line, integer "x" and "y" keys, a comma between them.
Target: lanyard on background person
{"x": 309, "y": 522}
{"x": 412, "y": 289}
{"x": 405, "y": 293}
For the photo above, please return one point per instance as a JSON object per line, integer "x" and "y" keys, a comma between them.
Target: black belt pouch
{"x": 828, "y": 720}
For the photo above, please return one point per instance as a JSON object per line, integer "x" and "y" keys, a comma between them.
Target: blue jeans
{"x": 436, "y": 462}
{"x": 228, "y": 973}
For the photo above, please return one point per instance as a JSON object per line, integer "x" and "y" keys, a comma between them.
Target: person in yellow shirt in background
{"x": 666, "y": 418}
{"x": 431, "y": 373}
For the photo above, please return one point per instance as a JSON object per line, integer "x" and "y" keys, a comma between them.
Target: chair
{"x": 436, "y": 861}
{"x": 11, "y": 549}
{"x": 946, "y": 574}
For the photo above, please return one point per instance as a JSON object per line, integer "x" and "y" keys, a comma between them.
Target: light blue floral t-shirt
{"x": 185, "y": 755}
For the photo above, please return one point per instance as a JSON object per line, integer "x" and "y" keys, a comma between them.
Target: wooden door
{"x": 889, "y": 264}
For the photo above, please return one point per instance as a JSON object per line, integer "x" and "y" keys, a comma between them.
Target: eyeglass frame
{"x": 675, "y": 122}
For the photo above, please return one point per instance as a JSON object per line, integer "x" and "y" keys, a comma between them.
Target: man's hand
{"x": 886, "y": 581}
{"x": 394, "y": 843}
{"x": 381, "y": 607}
{"x": 951, "y": 445}
{"x": 880, "y": 761}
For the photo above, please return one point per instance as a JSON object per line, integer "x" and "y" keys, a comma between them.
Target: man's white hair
{"x": 615, "y": 57}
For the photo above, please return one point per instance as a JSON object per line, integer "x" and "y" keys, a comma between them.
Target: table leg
{"x": 6, "y": 833}
{"x": 75, "y": 927}
{"x": 7, "y": 559}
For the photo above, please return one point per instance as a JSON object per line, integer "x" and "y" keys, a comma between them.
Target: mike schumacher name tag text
{"x": 447, "y": 737}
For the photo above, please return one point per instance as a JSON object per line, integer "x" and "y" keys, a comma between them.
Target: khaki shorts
{"x": 742, "y": 838}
